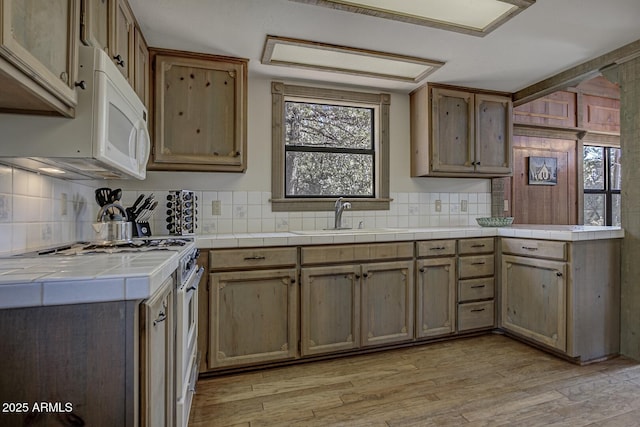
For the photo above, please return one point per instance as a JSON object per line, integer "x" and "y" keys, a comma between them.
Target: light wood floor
{"x": 485, "y": 381}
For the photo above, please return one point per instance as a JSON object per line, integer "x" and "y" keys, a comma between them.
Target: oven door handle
{"x": 195, "y": 280}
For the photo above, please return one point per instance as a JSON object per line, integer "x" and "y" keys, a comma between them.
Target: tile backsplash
{"x": 38, "y": 211}
{"x": 250, "y": 212}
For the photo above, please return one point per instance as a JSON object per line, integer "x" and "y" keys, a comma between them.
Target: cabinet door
{"x": 387, "y": 302}
{"x": 493, "y": 134}
{"x": 533, "y": 299}
{"x": 453, "y": 131}
{"x": 200, "y": 114}
{"x": 435, "y": 297}
{"x": 330, "y": 309}
{"x": 122, "y": 37}
{"x": 157, "y": 351}
{"x": 40, "y": 38}
{"x": 254, "y": 317}
{"x": 141, "y": 68}
{"x": 95, "y": 23}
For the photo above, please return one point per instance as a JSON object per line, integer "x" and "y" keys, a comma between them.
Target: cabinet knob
{"x": 81, "y": 84}
{"x": 119, "y": 60}
{"x": 558, "y": 274}
{"x": 422, "y": 270}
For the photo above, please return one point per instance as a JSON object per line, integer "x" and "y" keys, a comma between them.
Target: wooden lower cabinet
{"x": 330, "y": 309}
{"x": 533, "y": 299}
{"x": 157, "y": 357}
{"x": 571, "y": 303}
{"x": 387, "y": 302}
{"x": 253, "y": 317}
{"x": 345, "y": 307}
{"x": 435, "y": 297}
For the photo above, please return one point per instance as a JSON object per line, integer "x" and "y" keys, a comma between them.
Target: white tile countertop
{"x": 321, "y": 237}
{"x": 29, "y": 281}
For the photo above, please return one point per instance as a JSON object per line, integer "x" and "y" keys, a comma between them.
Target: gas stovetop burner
{"x": 137, "y": 245}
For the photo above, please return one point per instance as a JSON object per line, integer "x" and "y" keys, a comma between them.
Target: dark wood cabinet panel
{"x": 556, "y": 109}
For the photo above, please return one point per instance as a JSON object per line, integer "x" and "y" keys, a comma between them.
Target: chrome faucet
{"x": 340, "y": 206}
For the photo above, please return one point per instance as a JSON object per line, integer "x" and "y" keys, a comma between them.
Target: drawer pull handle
{"x": 477, "y": 246}
{"x": 475, "y": 310}
{"x": 558, "y": 274}
{"x": 478, "y": 263}
{"x": 437, "y": 248}
{"x": 161, "y": 318}
{"x": 529, "y": 248}
{"x": 477, "y": 286}
{"x": 254, "y": 258}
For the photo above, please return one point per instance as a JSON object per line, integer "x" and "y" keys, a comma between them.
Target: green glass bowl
{"x": 495, "y": 221}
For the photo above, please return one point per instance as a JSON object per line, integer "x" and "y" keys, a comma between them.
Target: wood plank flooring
{"x": 490, "y": 380}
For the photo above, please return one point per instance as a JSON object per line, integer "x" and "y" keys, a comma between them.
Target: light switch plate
{"x": 438, "y": 206}
{"x": 506, "y": 206}
{"x": 463, "y": 205}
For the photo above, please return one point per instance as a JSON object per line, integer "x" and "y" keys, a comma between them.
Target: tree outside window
{"x": 329, "y": 150}
{"x": 602, "y": 184}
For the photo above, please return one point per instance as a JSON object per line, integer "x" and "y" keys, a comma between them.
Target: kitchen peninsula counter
{"x": 31, "y": 281}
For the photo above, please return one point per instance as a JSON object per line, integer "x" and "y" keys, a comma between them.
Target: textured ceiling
{"x": 548, "y": 37}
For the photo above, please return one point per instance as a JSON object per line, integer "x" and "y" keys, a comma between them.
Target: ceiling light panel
{"x": 342, "y": 59}
{"x": 476, "y": 17}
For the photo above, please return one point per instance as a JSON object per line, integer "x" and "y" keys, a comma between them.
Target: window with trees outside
{"x": 327, "y": 144}
{"x": 602, "y": 183}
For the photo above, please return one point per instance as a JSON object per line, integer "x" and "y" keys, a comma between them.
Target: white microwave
{"x": 107, "y": 138}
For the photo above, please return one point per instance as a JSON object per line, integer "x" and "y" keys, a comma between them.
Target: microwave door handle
{"x": 133, "y": 146}
{"x": 144, "y": 143}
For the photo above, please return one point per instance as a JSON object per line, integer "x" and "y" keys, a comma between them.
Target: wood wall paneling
{"x": 544, "y": 204}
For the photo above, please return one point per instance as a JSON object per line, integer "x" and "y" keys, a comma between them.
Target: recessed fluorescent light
{"x": 342, "y": 59}
{"x": 476, "y": 17}
{"x": 52, "y": 170}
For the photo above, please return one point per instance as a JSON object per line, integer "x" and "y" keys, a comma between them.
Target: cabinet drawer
{"x": 475, "y": 266}
{"x": 535, "y": 248}
{"x": 475, "y": 246}
{"x": 475, "y": 315}
{"x": 475, "y": 289}
{"x": 350, "y": 253}
{"x": 252, "y": 258}
{"x": 431, "y": 248}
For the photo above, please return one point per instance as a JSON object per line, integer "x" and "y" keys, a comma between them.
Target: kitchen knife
{"x": 137, "y": 202}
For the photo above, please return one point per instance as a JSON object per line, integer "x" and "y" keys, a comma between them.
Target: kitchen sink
{"x": 350, "y": 231}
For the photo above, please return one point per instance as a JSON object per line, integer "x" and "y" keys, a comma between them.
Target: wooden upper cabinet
{"x": 453, "y": 131}
{"x": 460, "y": 132}
{"x": 601, "y": 114}
{"x": 141, "y": 68}
{"x": 200, "y": 112}
{"x": 557, "y": 109}
{"x": 38, "y": 55}
{"x": 95, "y": 23}
{"x": 121, "y": 37}
{"x": 493, "y": 134}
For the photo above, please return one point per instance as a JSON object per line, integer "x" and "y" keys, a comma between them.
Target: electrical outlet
{"x": 506, "y": 206}
{"x": 463, "y": 205}
{"x": 438, "y": 206}
{"x": 216, "y": 207}
{"x": 63, "y": 204}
